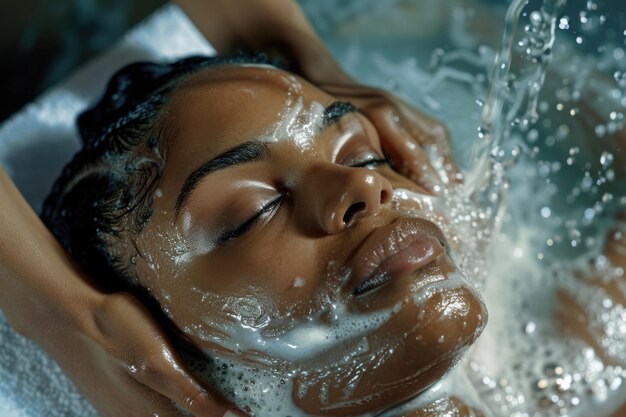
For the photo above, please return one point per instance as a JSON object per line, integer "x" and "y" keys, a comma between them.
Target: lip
{"x": 393, "y": 251}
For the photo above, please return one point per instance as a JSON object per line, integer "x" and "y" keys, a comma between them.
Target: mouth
{"x": 394, "y": 251}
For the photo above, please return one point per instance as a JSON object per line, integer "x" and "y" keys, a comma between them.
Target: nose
{"x": 335, "y": 197}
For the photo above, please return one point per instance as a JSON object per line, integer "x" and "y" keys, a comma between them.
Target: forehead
{"x": 219, "y": 108}
{"x": 232, "y": 102}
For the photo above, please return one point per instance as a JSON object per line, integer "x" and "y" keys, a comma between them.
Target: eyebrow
{"x": 250, "y": 151}
{"x": 336, "y": 111}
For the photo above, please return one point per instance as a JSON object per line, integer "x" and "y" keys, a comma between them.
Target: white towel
{"x": 43, "y": 135}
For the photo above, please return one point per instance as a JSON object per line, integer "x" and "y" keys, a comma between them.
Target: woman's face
{"x": 280, "y": 241}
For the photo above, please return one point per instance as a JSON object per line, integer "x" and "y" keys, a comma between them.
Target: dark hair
{"x": 103, "y": 197}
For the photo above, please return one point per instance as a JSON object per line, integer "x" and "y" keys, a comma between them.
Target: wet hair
{"x": 103, "y": 197}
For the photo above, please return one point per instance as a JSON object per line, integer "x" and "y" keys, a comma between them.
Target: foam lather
{"x": 35, "y": 144}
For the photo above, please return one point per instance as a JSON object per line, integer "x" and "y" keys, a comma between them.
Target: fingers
{"x": 141, "y": 347}
{"x": 415, "y": 135}
{"x": 164, "y": 373}
{"x": 417, "y": 143}
{"x": 409, "y": 158}
{"x": 168, "y": 376}
{"x": 433, "y": 135}
{"x": 162, "y": 407}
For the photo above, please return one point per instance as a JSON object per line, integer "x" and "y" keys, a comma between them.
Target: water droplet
{"x": 298, "y": 282}
{"x": 606, "y": 159}
{"x": 530, "y": 327}
{"x": 589, "y": 213}
{"x": 532, "y": 135}
{"x": 562, "y": 132}
{"x": 483, "y": 132}
{"x": 541, "y": 384}
{"x": 535, "y": 18}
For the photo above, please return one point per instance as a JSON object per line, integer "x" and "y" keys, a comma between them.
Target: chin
{"x": 439, "y": 317}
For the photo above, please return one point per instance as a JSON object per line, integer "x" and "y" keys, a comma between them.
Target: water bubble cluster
{"x": 560, "y": 111}
{"x": 562, "y": 197}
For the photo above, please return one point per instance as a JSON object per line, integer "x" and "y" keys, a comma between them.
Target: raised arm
{"x": 416, "y": 143}
{"x": 107, "y": 343}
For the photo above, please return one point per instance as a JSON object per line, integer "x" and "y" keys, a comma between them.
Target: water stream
{"x": 551, "y": 92}
{"x": 532, "y": 361}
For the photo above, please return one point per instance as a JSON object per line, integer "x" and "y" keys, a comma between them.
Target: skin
{"x": 184, "y": 256}
{"x": 280, "y": 27}
{"x": 93, "y": 336}
{"x": 43, "y": 288}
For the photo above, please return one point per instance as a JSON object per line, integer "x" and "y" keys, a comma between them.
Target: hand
{"x": 417, "y": 144}
{"x": 121, "y": 361}
{"x": 107, "y": 343}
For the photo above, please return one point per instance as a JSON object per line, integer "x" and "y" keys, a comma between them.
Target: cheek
{"x": 273, "y": 287}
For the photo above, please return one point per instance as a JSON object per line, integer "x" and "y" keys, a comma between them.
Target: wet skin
{"x": 327, "y": 230}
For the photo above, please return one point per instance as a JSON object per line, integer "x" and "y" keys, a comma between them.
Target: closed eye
{"x": 371, "y": 162}
{"x": 244, "y": 227}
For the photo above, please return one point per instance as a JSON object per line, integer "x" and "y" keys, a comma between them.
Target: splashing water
{"x": 486, "y": 181}
{"x": 559, "y": 374}
{"x": 524, "y": 364}
{"x": 555, "y": 108}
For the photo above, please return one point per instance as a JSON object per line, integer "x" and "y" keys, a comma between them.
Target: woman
{"x": 192, "y": 171}
{"x": 94, "y": 334}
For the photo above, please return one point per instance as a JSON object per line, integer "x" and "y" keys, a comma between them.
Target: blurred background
{"x": 41, "y": 41}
